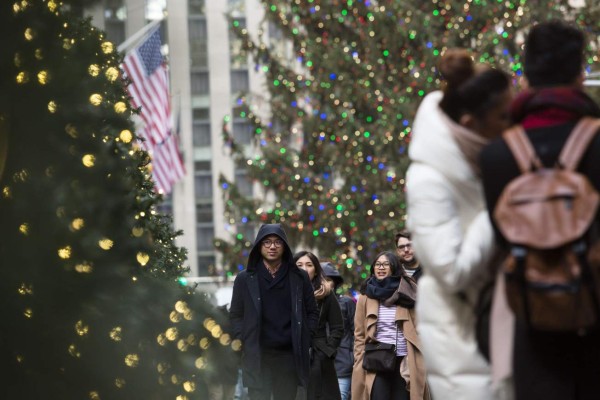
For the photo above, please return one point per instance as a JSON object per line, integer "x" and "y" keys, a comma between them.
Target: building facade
{"x": 207, "y": 74}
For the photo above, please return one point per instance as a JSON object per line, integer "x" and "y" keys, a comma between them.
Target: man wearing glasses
{"x": 274, "y": 313}
{"x": 406, "y": 254}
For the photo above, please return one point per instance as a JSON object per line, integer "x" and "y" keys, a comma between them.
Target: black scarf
{"x": 392, "y": 290}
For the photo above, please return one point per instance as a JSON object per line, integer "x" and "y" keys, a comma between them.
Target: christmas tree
{"x": 344, "y": 80}
{"x": 89, "y": 295}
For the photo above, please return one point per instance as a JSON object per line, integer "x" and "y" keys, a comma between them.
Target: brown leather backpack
{"x": 548, "y": 216}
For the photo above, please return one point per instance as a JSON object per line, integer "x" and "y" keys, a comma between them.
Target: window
{"x": 203, "y": 180}
{"x": 242, "y": 131}
{"x": 239, "y": 81}
{"x": 201, "y": 128}
{"x": 205, "y": 234}
{"x": 274, "y": 32}
{"x": 201, "y": 113}
{"x": 243, "y": 183}
{"x": 204, "y": 212}
{"x": 200, "y": 83}
{"x": 196, "y": 7}
{"x": 203, "y": 185}
{"x": 201, "y": 132}
{"x": 198, "y": 42}
{"x": 205, "y": 265}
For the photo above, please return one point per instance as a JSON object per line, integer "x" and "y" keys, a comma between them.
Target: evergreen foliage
{"x": 89, "y": 296}
{"x": 344, "y": 79}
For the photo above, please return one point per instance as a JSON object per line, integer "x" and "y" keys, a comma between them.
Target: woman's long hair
{"x": 317, "y": 281}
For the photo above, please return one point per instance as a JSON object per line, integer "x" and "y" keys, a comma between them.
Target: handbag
{"x": 379, "y": 357}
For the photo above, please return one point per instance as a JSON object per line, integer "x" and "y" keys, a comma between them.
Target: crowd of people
{"x": 411, "y": 332}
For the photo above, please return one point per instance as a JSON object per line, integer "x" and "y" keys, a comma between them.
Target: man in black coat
{"x": 274, "y": 313}
{"x": 549, "y": 365}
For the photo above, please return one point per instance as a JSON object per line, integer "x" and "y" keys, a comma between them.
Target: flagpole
{"x": 138, "y": 35}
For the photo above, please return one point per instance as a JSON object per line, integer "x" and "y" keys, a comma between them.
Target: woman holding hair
{"x": 385, "y": 314}
{"x": 451, "y": 232}
{"x": 323, "y": 382}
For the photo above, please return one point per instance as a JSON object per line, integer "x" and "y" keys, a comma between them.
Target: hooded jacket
{"x": 246, "y": 311}
{"x": 454, "y": 242}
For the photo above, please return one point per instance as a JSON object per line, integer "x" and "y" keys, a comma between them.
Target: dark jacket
{"x": 548, "y": 116}
{"x": 323, "y": 378}
{"x": 499, "y": 167}
{"x": 246, "y": 311}
{"x": 344, "y": 360}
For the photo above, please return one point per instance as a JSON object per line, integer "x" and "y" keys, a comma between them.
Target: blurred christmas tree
{"x": 89, "y": 296}
{"x": 344, "y": 80}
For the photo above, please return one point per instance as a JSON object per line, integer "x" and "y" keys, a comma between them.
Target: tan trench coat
{"x": 365, "y": 324}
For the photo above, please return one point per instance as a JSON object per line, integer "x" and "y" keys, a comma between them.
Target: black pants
{"x": 279, "y": 377}
{"x": 556, "y": 366}
{"x": 390, "y": 385}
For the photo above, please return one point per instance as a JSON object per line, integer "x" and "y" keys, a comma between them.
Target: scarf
{"x": 536, "y": 108}
{"x": 470, "y": 143}
{"x": 322, "y": 291}
{"x": 393, "y": 290}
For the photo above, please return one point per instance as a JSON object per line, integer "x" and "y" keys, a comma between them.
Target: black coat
{"x": 246, "y": 309}
{"x": 344, "y": 360}
{"x": 323, "y": 382}
{"x": 539, "y": 357}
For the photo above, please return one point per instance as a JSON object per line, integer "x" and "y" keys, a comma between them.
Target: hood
{"x": 264, "y": 231}
{"x": 332, "y": 273}
{"x": 432, "y": 142}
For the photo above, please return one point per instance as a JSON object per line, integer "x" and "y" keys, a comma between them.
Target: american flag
{"x": 149, "y": 89}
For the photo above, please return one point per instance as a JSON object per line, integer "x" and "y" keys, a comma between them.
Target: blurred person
{"x": 451, "y": 232}
{"x": 549, "y": 365}
{"x": 385, "y": 314}
{"x": 344, "y": 360}
{"x": 323, "y": 383}
{"x": 274, "y": 314}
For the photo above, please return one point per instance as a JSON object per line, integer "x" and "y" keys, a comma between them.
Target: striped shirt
{"x": 409, "y": 272}
{"x": 386, "y": 329}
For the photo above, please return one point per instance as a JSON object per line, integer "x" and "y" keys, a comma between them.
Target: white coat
{"x": 453, "y": 241}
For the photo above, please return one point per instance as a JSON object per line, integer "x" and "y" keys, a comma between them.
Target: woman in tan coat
{"x": 385, "y": 313}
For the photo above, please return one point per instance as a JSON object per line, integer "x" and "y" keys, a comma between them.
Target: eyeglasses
{"x": 404, "y": 247}
{"x": 381, "y": 265}
{"x": 269, "y": 243}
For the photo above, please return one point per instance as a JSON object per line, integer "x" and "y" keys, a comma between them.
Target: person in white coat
{"x": 451, "y": 232}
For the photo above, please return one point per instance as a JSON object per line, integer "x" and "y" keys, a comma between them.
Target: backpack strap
{"x": 578, "y": 142}
{"x": 522, "y": 149}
